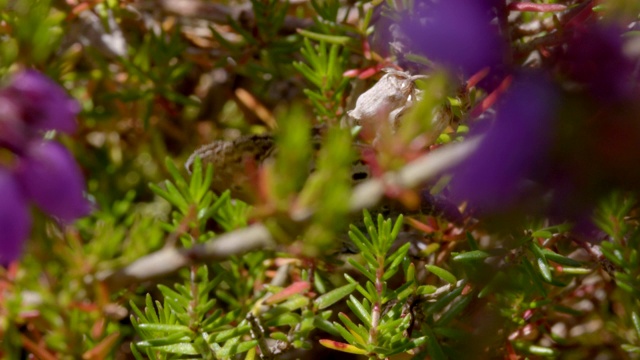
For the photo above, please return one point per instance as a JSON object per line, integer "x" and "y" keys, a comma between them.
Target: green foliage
{"x": 324, "y": 70}
{"x": 38, "y": 32}
{"x": 326, "y": 190}
{"x": 197, "y": 204}
{"x": 195, "y": 317}
{"x": 383, "y": 328}
{"x": 620, "y": 260}
{"x": 189, "y": 322}
{"x": 419, "y": 285}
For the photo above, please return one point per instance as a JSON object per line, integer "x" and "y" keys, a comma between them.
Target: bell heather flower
{"x": 14, "y": 217}
{"x": 515, "y": 145}
{"x": 457, "y": 34}
{"x": 51, "y": 178}
{"x": 13, "y": 131}
{"x": 44, "y": 104}
{"x": 34, "y": 170}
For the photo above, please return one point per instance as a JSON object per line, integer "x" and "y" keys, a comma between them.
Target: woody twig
{"x": 257, "y": 237}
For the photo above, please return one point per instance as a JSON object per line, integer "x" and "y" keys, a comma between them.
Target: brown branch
{"x": 367, "y": 194}
{"x": 257, "y": 237}
{"x": 169, "y": 260}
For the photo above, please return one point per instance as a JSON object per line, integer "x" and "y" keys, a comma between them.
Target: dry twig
{"x": 256, "y": 237}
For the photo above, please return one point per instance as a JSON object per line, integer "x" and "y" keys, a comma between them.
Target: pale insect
{"x": 388, "y": 99}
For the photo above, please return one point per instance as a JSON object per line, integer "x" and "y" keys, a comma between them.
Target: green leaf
{"x": 234, "y": 346}
{"x": 545, "y": 271}
{"x": 539, "y": 350}
{"x": 359, "y": 239}
{"x": 326, "y": 326}
{"x": 171, "y": 295}
{"x": 331, "y": 39}
{"x": 575, "y": 270}
{"x": 444, "y": 301}
{"x": 426, "y": 289}
{"x": 635, "y": 319}
{"x": 412, "y": 344}
{"x": 541, "y": 261}
{"x": 225, "y": 335}
{"x": 175, "y": 197}
{"x": 442, "y": 274}
{"x": 347, "y": 335}
{"x": 172, "y": 328}
{"x": 534, "y": 276}
{"x": 403, "y": 292}
{"x": 333, "y": 296}
{"x": 397, "y": 227}
{"x": 630, "y": 348}
{"x": 410, "y": 273}
{"x": 563, "y": 260}
{"x": 182, "y": 348}
{"x": 175, "y": 173}
{"x": 473, "y": 255}
{"x": 360, "y": 288}
{"x": 396, "y": 258}
{"x": 454, "y": 310}
{"x": 284, "y": 319}
{"x": 359, "y": 310}
{"x": 150, "y": 310}
{"x": 348, "y": 348}
{"x": 354, "y": 329}
{"x": 171, "y": 339}
{"x": 545, "y": 234}
{"x": 295, "y": 303}
{"x": 473, "y": 244}
{"x": 433, "y": 347}
{"x": 245, "y": 346}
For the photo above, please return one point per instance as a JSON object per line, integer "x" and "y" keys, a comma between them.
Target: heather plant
{"x": 323, "y": 179}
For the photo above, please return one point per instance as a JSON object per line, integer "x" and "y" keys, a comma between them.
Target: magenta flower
{"x": 457, "y": 34}
{"x": 15, "y": 221}
{"x": 44, "y": 104}
{"x": 51, "y": 178}
{"x": 516, "y": 145}
{"x": 13, "y": 130}
{"x": 43, "y": 172}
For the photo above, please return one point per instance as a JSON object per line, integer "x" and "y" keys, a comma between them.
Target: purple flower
{"x": 13, "y": 130}
{"x": 14, "y": 217}
{"x": 51, "y": 178}
{"x": 44, "y": 104}
{"x": 594, "y": 58}
{"x": 43, "y": 172}
{"x": 457, "y": 34}
{"x": 515, "y": 145}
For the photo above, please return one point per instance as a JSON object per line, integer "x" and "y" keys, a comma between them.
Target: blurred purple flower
{"x": 44, "y": 104}
{"x": 14, "y": 217}
{"x": 594, "y": 57}
{"x": 42, "y": 171}
{"x": 512, "y": 148}
{"x": 457, "y": 34}
{"x": 13, "y": 132}
{"x": 51, "y": 178}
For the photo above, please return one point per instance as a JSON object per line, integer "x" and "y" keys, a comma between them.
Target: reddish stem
{"x": 491, "y": 99}
{"x": 531, "y": 7}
